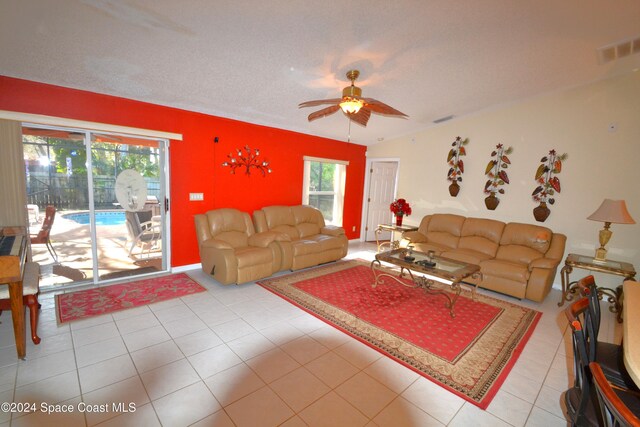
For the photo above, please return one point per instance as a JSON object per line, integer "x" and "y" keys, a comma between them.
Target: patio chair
{"x": 43, "y": 236}
{"x": 33, "y": 212}
{"x": 142, "y": 230}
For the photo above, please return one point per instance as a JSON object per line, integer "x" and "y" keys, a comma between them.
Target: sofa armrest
{"x": 263, "y": 239}
{"x": 543, "y": 263}
{"x": 202, "y": 228}
{"x": 218, "y": 259}
{"x": 414, "y": 236}
{"x": 332, "y": 230}
{"x": 215, "y": 244}
{"x": 556, "y": 249}
{"x": 282, "y": 237}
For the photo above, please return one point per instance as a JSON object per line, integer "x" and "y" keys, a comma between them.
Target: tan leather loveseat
{"x": 230, "y": 249}
{"x": 515, "y": 259}
{"x": 308, "y": 240}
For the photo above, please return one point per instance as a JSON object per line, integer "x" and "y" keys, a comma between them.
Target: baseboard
{"x": 183, "y": 268}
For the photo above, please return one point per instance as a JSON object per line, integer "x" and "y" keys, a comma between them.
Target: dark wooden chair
{"x": 618, "y": 407}
{"x": 43, "y": 236}
{"x": 30, "y": 291}
{"x": 608, "y": 355}
{"x": 580, "y": 399}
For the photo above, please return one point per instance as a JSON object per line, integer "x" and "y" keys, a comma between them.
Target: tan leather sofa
{"x": 308, "y": 240}
{"x": 514, "y": 258}
{"x": 230, "y": 249}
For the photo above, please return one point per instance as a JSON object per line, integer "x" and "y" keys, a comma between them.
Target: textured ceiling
{"x": 257, "y": 60}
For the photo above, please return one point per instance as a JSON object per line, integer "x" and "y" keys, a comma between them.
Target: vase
{"x": 491, "y": 201}
{"x": 541, "y": 212}
{"x": 399, "y": 220}
{"x": 454, "y": 188}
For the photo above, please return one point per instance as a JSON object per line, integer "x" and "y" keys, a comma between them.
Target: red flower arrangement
{"x": 400, "y": 207}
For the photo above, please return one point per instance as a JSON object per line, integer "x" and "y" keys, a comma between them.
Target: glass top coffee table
{"x": 434, "y": 273}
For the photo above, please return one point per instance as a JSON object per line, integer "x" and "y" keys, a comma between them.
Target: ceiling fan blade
{"x": 381, "y": 108}
{"x": 323, "y": 113}
{"x": 320, "y": 102}
{"x": 361, "y": 117}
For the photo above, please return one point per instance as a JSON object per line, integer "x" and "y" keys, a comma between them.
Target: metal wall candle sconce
{"x": 247, "y": 160}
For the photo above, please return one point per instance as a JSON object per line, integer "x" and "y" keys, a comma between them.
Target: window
{"x": 323, "y": 187}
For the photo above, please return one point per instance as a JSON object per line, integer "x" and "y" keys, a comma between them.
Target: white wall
{"x": 601, "y": 164}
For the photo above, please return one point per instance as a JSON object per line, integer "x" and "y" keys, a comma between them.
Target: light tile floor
{"x": 241, "y": 356}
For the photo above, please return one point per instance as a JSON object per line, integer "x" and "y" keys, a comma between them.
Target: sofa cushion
{"x": 305, "y": 247}
{"x": 307, "y": 229}
{"x": 230, "y": 226}
{"x": 481, "y": 235}
{"x": 426, "y": 247}
{"x": 466, "y": 255}
{"x": 515, "y": 271}
{"x": 289, "y": 230}
{"x": 252, "y": 255}
{"x": 518, "y": 254}
{"x": 445, "y": 229}
{"x": 531, "y": 236}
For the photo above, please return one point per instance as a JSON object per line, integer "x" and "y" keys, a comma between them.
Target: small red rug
{"x": 107, "y": 299}
{"x": 469, "y": 355}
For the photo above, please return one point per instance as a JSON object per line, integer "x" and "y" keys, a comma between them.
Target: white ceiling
{"x": 257, "y": 60}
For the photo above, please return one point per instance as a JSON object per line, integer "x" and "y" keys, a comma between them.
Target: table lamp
{"x": 610, "y": 211}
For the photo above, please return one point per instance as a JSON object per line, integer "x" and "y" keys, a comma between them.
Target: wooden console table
{"x": 618, "y": 268}
{"x": 393, "y": 228}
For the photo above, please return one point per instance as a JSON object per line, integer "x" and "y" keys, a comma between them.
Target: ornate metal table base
{"x": 425, "y": 283}
{"x": 392, "y": 228}
{"x": 614, "y": 297}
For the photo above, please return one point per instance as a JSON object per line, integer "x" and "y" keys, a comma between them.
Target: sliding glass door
{"x": 108, "y": 192}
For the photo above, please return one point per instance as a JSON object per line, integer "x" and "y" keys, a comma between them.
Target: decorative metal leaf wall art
{"x": 456, "y": 164}
{"x": 497, "y": 175}
{"x": 548, "y": 183}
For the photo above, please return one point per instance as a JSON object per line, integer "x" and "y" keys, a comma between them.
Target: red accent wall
{"x": 195, "y": 162}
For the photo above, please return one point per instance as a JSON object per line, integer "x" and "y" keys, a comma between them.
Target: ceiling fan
{"x": 352, "y": 104}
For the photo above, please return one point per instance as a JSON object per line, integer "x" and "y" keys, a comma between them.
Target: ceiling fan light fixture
{"x": 351, "y": 105}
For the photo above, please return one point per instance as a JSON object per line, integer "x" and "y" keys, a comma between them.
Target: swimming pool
{"x": 102, "y": 217}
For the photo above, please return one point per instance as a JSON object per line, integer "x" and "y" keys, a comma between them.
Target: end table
{"x": 393, "y": 228}
{"x": 618, "y": 268}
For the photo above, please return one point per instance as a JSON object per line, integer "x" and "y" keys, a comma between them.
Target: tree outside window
{"x": 324, "y": 187}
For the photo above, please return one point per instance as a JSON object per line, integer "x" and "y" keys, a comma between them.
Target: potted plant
{"x": 548, "y": 184}
{"x": 456, "y": 164}
{"x": 400, "y": 208}
{"x": 497, "y": 175}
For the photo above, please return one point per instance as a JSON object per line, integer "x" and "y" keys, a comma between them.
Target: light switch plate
{"x": 196, "y": 196}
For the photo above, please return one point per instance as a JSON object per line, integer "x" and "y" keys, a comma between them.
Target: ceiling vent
{"x": 618, "y": 50}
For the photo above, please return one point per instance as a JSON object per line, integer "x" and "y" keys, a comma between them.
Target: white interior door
{"x": 382, "y": 187}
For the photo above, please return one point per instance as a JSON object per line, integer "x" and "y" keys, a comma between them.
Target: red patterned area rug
{"x": 107, "y": 299}
{"x": 470, "y": 355}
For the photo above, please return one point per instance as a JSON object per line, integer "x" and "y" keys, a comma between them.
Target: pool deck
{"x": 72, "y": 242}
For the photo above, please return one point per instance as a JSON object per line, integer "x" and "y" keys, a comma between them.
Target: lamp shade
{"x": 613, "y": 211}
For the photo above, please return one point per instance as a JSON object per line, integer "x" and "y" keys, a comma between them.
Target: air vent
{"x": 618, "y": 50}
{"x": 443, "y": 119}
